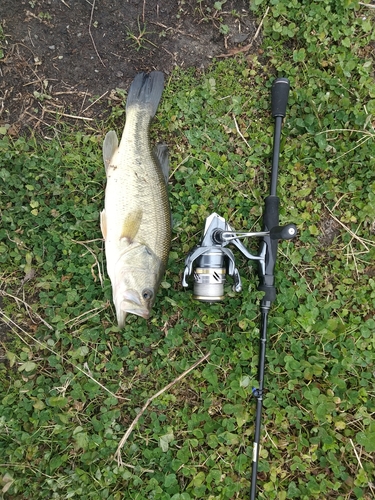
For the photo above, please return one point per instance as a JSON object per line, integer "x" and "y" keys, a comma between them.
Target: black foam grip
{"x": 280, "y": 94}
{"x": 271, "y": 212}
{"x": 269, "y": 293}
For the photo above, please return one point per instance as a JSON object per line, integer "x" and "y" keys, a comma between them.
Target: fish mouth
{"x": 143, "y": 313}
{"x": 127, "y": 307}
{"x": 130, "y": 303}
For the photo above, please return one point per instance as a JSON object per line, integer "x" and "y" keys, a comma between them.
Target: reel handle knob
{"x": 283, "y": 232}
{"x": 279, "y": 97}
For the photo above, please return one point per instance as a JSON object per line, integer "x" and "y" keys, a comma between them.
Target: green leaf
{"x": 81, "y": 440}
{"x": 57, "y": 401}
{"x": 11, "y": 358}
{"x": 39, "y": 405}
{"x": 367, "y": 440}
{"x": 165, "y": 440}
{"x": 299, "y": 55}
{"x": 29, "y": 366}
{"x": 199, "y": 479}
{"x": 55, "y": 462}
{"x": 170, "y": 480}
{"x": 212, "y": 441}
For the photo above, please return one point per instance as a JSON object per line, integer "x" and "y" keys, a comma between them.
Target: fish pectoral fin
{"x": 110, "y": 146}
{"x": 103, "y": 224}
{"x": 131, "y": 225}
{"x": 162, "y": 154}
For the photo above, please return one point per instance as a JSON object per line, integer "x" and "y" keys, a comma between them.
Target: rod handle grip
{"x": 279, "y": 97}
{"x": 283, "y": 232}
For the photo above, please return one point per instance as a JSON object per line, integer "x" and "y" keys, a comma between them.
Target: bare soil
{"x": 66, "y": 58}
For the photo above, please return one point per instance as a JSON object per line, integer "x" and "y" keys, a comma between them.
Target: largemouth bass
{"x": 136, "y": 220}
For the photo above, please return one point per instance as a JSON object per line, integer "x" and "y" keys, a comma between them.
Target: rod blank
{"x": 279, "y": 100}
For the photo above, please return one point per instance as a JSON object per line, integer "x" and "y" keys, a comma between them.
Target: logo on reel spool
{"x": 209, "y": 276}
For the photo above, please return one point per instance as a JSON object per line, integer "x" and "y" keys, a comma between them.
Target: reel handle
{"x": 279, "y": 97}
{"x": 283, "y": 232}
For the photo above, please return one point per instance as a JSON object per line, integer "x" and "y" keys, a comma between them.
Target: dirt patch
{"x": 65, "y": 58}
{"x": 329, "y": 230}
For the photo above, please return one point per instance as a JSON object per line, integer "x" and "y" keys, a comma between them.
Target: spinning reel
{"x": 211, "y": 261}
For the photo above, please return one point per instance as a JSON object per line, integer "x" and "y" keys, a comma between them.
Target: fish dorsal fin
{"x": 162, "y": 154}
{"x": 103, "y": 224}
{"x": 131, "y": 225}
{"x": 110, "y": 146}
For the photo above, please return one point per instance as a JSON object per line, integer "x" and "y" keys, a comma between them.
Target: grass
{"x": 138, "y": 37}
{"x": 72, "y": 384}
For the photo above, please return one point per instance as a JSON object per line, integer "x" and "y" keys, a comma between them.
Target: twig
{"x": 143, "y": 11}
{"x": 356, "y": 453}
{"x": 134, "y": 467}
{"x": 363, "y": 241}
{"x": 28, "y": 307}
{"x": 145, "y": 406}
{"x": 93, "y": 254}
{"x": 92, "y": 39}
{"x": 367, "y": 5}
{"x": 30, "y": 38}
{"x": 67, "y": 115}
{"x": 96, "y": 100}
{"x": 45, "y": 346}
{"x": 366, "y": 135}
{"x": 269, "y": 437}
{"x": 84, "y": 316}
{"x": 239, "y": 132}
{"x": 364, "y": 132}
{"x": 83, "y": 102}
{"x": 247, "y": 47}
{"x": 175, "y": 30}
{"x": 353, "y": 255}
{"x": 360, "y": 142}
{"x": 65, "y": 4}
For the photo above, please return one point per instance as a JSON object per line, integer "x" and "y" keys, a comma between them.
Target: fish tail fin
{"x": 146, "y": 88}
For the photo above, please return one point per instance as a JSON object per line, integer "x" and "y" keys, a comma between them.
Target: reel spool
{"x": 209, "y": 276}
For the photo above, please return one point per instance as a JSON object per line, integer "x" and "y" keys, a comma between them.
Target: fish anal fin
{"x": 103, "y": 224}
{"x": 110, "y": 146}
{"x": 131, "y": 225}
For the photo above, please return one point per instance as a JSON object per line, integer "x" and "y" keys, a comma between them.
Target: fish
{"x": 136, "y": 219}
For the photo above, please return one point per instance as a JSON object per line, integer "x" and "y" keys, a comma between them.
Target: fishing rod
{"x": 212, "y": 260}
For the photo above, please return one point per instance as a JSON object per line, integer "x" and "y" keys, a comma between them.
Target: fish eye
{"x": 147, "y": 294}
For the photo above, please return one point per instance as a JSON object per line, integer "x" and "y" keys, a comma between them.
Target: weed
{"x": 214, "y": 14}
{"x": 139, "y": 40}
{"x": 46, "y": 16}
{"x": 2, "y": 42}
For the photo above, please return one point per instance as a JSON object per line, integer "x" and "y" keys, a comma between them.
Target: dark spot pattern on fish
{"x": 141, "y": 178}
